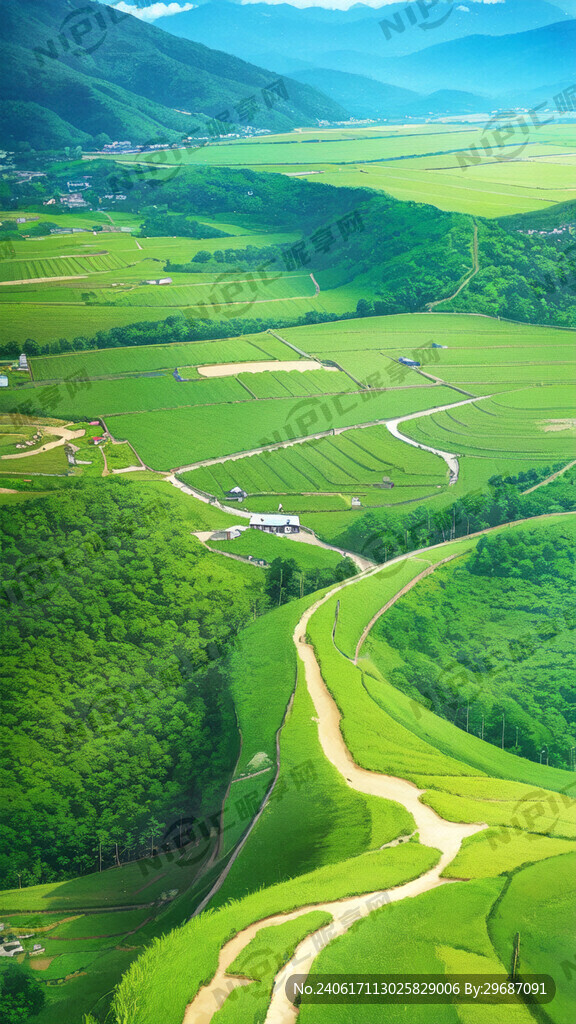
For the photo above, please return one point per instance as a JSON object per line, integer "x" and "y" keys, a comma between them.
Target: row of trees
{"x": 285, "y": 581}
{"x": 381, "y": 534}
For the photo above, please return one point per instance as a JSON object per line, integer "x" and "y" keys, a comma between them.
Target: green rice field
{"x": 347, "y": 463}
{"x": 178, "y": 437}
{"x": 114, "y": 362}
{"x": 76, "y": 285}
{"x": 444, "y": 165}
{"x": 534, "y": 424}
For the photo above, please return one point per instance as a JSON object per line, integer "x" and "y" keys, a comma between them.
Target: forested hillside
{"x": 89, "y": 73}
{"x": 489, "y": 645}
{"x": 114, "y": 718}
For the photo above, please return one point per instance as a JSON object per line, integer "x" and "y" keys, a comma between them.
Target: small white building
{"x": 275, "y": 524}
{"x": 236, "y": 494}
{"x": 161, "y": 280}
{"x": 3, "y": 380}
{"x": 22, "y": 362}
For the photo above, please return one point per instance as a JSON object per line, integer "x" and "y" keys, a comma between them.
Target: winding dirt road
{"x": 392, "y": 426}
{"x": 62, "y": 433}
{"x": 433, "y": 830}
{"x": 450, "y": 458}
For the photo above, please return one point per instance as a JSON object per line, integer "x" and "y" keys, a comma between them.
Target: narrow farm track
{"x": 392, "y": 426}
{"x": 475, "y": 268}
{"x": 450, "y": 458}
{"x": 310, "y": 538}
{"x": 63, "y": 435}
{"x": 302, "y": 538}
{"x": 240, "y": 846}
{"x": 400, "y": 593}
{"x": 433, "y": 831}
{"x": 550, "y": 479}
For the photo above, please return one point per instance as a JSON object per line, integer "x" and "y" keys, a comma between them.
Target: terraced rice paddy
{"x": 58, "y": 266}
{"x": 348, "y": 463}
{"x": 179, "y": 437}
{"x": 534, "y": 425}
{"x": 77, "y": 284}
{"x": 520, "y": 374}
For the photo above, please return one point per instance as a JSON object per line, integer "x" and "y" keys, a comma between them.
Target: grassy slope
{"x": 441, "y": 931}
{"x": 269, "y": 547}
{"x": 168, "y": 975}
{"x": 261, "y": 959}
{"x": 340, "y": 823}
{"x": 364, "y": 727}
{"x": 539, "y": 903}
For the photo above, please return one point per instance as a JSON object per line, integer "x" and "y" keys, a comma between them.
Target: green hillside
{"x": 86, "y": 71}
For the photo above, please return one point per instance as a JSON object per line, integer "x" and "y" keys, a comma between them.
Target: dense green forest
{"x": 159, "y": 223}
{"x": 117, "y": 717}
{"x": 115, "y": 714}
{"x": 521, "y": 277}
{"x": 489, "y": 644}
{"x": 21, "y": 995}
{"x": 559, "y": 215}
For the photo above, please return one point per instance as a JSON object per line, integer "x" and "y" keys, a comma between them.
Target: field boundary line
{"x": 331, "y": 432}
{"x": 244, "y": 839}
{"x": 549, "y": 479}
{"x": 400, "y": 593}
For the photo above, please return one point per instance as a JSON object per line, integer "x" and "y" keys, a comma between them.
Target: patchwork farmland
{"x": 287, "y": 511}
{"x": 509, "y": 388}
{"x": 445, "y": 165}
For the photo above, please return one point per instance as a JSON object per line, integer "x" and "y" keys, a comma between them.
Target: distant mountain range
{"x": 260, "y": 31}
{"x": 365, "y": 97}
{"x": 74, "y": 72}
{"x": 518, "y": 52}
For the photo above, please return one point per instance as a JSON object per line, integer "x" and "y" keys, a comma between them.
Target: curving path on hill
{"x": 431, "y": 306}
{"x": 450, "y": 459}
{"x": 400, "y": 593}
{"x": 434, "y": 831}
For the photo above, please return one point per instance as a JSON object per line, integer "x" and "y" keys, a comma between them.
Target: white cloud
{"x": 343, "y": 5}
{"x": 153, "y": 11}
